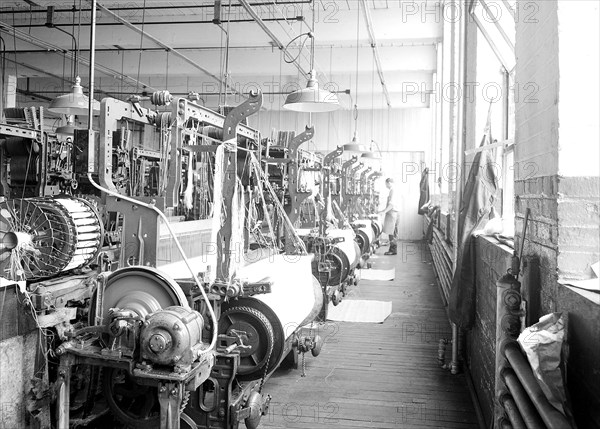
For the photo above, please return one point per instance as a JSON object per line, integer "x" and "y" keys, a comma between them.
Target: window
{"x": 495, "y": 77}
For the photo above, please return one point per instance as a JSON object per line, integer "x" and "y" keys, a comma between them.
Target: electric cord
{"x": 155, "y": 209}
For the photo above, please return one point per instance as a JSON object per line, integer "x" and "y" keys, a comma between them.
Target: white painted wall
{"x": 578, "y": 106}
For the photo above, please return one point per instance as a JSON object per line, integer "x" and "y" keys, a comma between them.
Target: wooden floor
{"x": 379, "y": 375}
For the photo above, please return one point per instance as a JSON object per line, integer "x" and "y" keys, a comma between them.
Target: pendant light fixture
{"x": 311, "y": 99}
{"x": 69, "y": 129}
{"x": 354, "y": 145}
{"x": 372, "y": 154}
{"x": 75, "y": 102}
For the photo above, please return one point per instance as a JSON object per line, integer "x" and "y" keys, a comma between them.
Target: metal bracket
{"x": 228, "y": 181}
{"x": 296, "y": 198}
{"x": 333, "y": 155}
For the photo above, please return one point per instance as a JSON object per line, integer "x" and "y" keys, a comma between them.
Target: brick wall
{"x": 492, "y": 263}
{"x": 563, "y": 231}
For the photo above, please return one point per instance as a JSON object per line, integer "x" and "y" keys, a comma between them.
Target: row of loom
{"x": 158, "y": 265}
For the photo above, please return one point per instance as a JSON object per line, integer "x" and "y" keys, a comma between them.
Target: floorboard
{"x": 378, "y": 375}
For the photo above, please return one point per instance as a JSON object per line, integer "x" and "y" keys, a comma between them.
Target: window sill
{"x": 581, "y": 287}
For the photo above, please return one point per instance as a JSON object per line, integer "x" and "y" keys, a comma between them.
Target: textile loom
{"x": 147, "y": 258}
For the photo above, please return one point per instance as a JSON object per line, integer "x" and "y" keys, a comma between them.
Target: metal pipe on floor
{"x": 550, "y": 415}
{"x": 526, "y": 408}
{"x": 512, "y": 411}
{"x": 454, "y": 364}
{"x": 503, "y": 424}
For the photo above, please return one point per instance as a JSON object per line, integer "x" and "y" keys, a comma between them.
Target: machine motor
{"x": 172, "y": 336}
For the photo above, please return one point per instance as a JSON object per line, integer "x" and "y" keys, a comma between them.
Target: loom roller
{"x": 295, "y": 300}
{"x": 365, "y": 235}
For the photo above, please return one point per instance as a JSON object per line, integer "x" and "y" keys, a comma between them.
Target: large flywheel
{"x": 42, "y": 237}
{"x": 133, "y": 404}
{"x": 143, "y": 290}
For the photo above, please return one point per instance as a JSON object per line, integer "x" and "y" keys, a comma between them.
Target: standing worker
{"x": 391, "y": 223}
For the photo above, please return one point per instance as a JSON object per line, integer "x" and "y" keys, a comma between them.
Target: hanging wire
{"x": 167, "y": 73}
{"x": 15, "y": 51}
{"x": 355, "y": 112}
{"x": 3, "y": 65}
{"x": 78, "y": 33}
{"x": 288, "y": 55}
{"x": 227, "y": 55}
{"x": 137, "y": 83}
{"x": 373, "y": 99}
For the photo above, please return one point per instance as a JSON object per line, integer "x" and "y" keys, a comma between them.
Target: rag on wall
{"x": 477, "y": 200}
{"x": 424, "y": 192}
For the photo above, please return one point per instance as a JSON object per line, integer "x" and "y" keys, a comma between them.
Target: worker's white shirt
{"x": 394, "y": 198}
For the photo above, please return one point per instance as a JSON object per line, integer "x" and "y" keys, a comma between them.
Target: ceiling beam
{"x": 49, "y": 47}
{"x": 369, "y": 23}
{"x": 269, "y": 33}
{"x": 167, "y": 47}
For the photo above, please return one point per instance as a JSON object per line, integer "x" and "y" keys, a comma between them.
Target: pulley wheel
{"x": 133, "y": 404}
{"x": 141, "y": 289}
{"x": 256, "y": 332}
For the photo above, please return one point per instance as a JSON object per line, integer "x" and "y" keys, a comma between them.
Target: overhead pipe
{"x": 21, "y": 35}
{"x": 295, "y": 18}
{"x": 92, "y": 72}
{"x": 184, "y": 94}
{"x": 167, "y": 47}
{"x": 133, "y": 8}
{"x": 550, "y": 415}
{"x": 526, "y": 408}
{"x": 249, "y": 47}
{"x": 369, "y": 22}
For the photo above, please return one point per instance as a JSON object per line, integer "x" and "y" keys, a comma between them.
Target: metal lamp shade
{"x": 312, "y": 99}
{"x": 371, "y": 155}
{"x": 73, "y": 103}
{"x": 355, "y": 146}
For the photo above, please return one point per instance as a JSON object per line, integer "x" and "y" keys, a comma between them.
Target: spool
{"x": 13, "y": 239}
{"x": 49, "y": 235}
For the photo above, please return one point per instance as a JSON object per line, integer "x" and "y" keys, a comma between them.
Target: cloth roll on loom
{"x": 295, "y": 299}
{"x": 377, "y": 228}
{"x": 364, "y": 234}
{"x": 348, "y": 246}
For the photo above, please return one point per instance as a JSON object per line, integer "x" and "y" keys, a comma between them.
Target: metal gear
{"x": 134, "y": 405}
{"x": 258, "y": 335}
